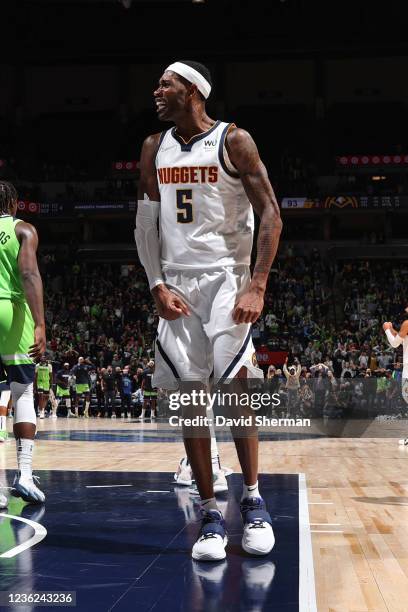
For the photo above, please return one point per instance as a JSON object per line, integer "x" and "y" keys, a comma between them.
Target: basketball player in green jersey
{"x": 43, "y": 380}
{"x": 22, "y": 331}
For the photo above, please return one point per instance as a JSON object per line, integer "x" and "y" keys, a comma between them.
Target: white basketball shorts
{"x": 208, "y": 342}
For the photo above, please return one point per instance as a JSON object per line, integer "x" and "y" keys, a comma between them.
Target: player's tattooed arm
{"x": 243, "y": 153}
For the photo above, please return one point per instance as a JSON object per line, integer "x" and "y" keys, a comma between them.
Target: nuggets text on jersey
{"x": 188, "y": 174}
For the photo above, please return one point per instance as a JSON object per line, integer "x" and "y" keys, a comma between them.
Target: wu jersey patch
{"x": 209, "y": 144}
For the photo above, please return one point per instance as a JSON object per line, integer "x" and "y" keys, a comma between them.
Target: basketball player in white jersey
{"x": 5, "y": 394}
{"x": 201, "y": 179}
{"x": 395, "y": 339}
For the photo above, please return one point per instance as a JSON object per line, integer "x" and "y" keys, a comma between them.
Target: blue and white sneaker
{"x": 258, "y": 537}
{"x": 27, "y": 489}
{"x": 212, "y": 540}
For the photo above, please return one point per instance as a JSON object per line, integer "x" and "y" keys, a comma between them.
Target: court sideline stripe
{"x": 307, "y": 588}
{"x": 40, "y": 533}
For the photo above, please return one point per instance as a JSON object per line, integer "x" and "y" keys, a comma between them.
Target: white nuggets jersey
{"x": 206, "y": 219}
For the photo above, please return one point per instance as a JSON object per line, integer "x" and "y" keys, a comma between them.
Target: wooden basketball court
{"x": 357, "y": 494}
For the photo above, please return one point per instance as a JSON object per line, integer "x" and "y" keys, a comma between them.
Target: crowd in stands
{"x": 103, "y": 309}
{"x": 339, "y": 361}
{"x": 104, "y": 312}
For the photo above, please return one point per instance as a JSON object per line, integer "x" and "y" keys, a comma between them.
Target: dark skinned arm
{"x": 243, "y": 153}
{"x": 32, "y": 284}
{"x": 169, "y": 305}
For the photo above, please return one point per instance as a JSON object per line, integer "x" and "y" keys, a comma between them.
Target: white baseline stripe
{"x": 307, "y": 589}
{"x": 40, "y": 533}
{"x": 157, "y": 491}
{"x": 106, "y": 486}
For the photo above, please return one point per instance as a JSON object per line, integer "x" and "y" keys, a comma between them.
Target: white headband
{"x": 191, "y": 75}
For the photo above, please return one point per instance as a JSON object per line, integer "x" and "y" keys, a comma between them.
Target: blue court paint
{"x": 125, "y": 549}
{"x": 152, "y": 435}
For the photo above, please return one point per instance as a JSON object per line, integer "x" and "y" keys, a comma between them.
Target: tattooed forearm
{"x": 267, "y": 246}
{"x": 244, "y": 155}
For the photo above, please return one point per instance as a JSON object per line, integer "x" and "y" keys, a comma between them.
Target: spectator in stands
{"x": 116, "y": 362}
{"x": 109, "y": 391}
{"x": 292, "y": 381}
{"x": 347, "y": 370}
{"x": 306, "y": 397}
{"x": 126, "y": 392}
{"x": 93, "y": 379}
{"x": 397, "y": 372}
{"x": 100, "y": 396}
{"x": 382, "y": 386}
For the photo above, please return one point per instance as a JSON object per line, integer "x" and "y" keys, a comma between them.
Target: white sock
{"x": 3, "y": 423}
{"x": 209, "y": 504}
{"x": 25, "y": 456}
{"x": 250, "y": 491}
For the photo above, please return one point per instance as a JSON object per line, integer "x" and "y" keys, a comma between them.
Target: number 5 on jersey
{"x": 185, "y": 205}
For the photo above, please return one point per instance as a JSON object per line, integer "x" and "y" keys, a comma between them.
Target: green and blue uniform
{"x": 149, "y": 392}
{"x": 63, "y": 377}
{"x": 16, "y": 321}
{"x": 81, "y": 373}
{"x": 44, "y": 377}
